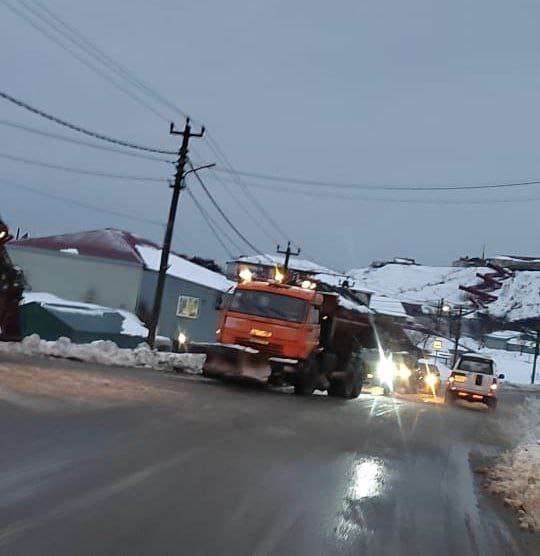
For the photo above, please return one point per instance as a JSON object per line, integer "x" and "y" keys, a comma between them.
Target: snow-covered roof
{"x": 353, "y": 306}
{"x": 387, "y": 306}
{"x": 184, "y": 269}
{"x": 131, "y": 325}
{"x": 503, "y": 334}
{"x": 301, "y": 265}
{"x": 517, "y": 258}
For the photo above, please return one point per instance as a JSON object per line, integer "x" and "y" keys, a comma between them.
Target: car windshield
{"x": 270, "y": 305}
{"x": 483, "y": 366}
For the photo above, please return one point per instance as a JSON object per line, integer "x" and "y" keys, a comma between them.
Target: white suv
{"x": 474, "y": 378}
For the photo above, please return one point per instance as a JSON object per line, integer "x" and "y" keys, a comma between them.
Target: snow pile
{"x": 519, "y": 298}
{"x": 516, "y": 476}
{"x": 105, "y": 352}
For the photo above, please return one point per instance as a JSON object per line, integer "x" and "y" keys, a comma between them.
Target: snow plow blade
{"x": 233, "y": 361}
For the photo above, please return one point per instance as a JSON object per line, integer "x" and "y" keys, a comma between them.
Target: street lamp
{"x": 455, "y": 313}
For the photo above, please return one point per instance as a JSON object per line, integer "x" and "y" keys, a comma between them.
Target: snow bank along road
{"x": 97, "y": 460}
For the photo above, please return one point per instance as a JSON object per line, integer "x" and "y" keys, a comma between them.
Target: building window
{"x": 188, "y": 307}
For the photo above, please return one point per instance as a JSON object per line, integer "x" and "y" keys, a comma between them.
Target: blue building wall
{"x": 200, "y": 329}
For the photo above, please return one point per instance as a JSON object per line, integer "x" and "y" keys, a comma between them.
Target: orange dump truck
{"x": 289, "y": 335}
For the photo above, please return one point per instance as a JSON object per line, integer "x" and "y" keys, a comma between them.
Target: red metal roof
{"x": 108, "y": 243}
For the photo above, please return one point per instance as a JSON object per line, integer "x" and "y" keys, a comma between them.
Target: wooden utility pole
{"x": 288, "y": 253}
{"x": 458, "y": 318}
{"x": 536, "y": 351}
{"x": 165, "y": 252}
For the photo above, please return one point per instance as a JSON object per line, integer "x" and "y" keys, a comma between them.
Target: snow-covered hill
{"x": 417, "y": 283}
{"x": 519, "y": 297}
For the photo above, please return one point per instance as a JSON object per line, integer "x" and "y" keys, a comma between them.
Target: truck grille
{"x": 266, "y": 350}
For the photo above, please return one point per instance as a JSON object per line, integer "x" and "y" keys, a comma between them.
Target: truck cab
{"x": 277, "y": 320}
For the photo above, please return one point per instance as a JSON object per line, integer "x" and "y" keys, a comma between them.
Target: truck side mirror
{"x": 501, "y": 377}
{"x": 222, "y": 301}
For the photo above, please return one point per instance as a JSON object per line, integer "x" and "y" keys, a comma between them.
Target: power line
{"x": 81, "y": 59}
{"x": 219, "y": 152}
{"x": 330, "y": 195}
{"x": 224, "y": 232}
{"x": 239, "y": 202}
{"x": 210, "y": 224}
{"x": 224, "y": 216}
{"x": 78, "y": 203}
{"x": 68, "y": 139}
{"x": 221, "y": 155}
{"x": 303, "y": 181}
{"x": 80, "y": 170}
{"x": 114, "y": 66}
{"x": 80, "y": 129}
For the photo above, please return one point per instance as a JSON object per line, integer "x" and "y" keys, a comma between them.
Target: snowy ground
{"x": 105, "y": 353}
{"x": 516, "y": 476}
{"x": 516, "y": 367}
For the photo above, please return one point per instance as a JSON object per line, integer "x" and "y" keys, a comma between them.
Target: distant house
{"x": 500, "y": 339}
{"x": 516, "y": 262}
{"x": 117, "y": 269}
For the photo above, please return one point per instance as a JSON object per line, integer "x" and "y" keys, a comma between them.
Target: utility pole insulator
{"x": 288, "y": 253}
{"x": 166, "y": 250}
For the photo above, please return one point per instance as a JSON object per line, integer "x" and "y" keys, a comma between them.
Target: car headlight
{"x": 404, "y": 372}
{"x": 431, "y": 380}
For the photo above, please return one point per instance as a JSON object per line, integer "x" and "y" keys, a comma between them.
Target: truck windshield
{"x": 270, "y": 305}
{"x": 483, "y": 366}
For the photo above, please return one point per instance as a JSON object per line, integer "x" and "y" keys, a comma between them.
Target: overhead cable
{"x": 224, "y": 216}
{"x": 210, "y": 223}
{"x": 68, "y": 139}
{"x": 371, "y": 187}
{"x": 74, "y": 202}
{"x": 16, "y": 10}
{"x": 128, "y": 177}
{"x": 80, "y": 129}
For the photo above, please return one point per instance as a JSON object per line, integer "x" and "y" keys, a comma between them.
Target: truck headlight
{"x": 386, "y": 371}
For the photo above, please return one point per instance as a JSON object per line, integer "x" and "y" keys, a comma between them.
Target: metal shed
{"x": 81, "y": 325}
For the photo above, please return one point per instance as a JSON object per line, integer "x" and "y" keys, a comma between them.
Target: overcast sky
{"x": 377, "y": 92}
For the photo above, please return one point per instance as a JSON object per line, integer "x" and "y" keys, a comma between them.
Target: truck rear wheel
{"x": 348, "y": 387}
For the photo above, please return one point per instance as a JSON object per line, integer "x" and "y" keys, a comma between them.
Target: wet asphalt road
{"x": 120, "y": 461}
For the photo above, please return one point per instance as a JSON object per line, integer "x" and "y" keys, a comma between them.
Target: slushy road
{"x": 129, "y": 461}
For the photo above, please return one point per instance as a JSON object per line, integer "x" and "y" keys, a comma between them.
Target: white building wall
{"x": 92, "y": 280}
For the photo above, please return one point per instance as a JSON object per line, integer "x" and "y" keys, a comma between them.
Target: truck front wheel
{"x": 306, "y": 379}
